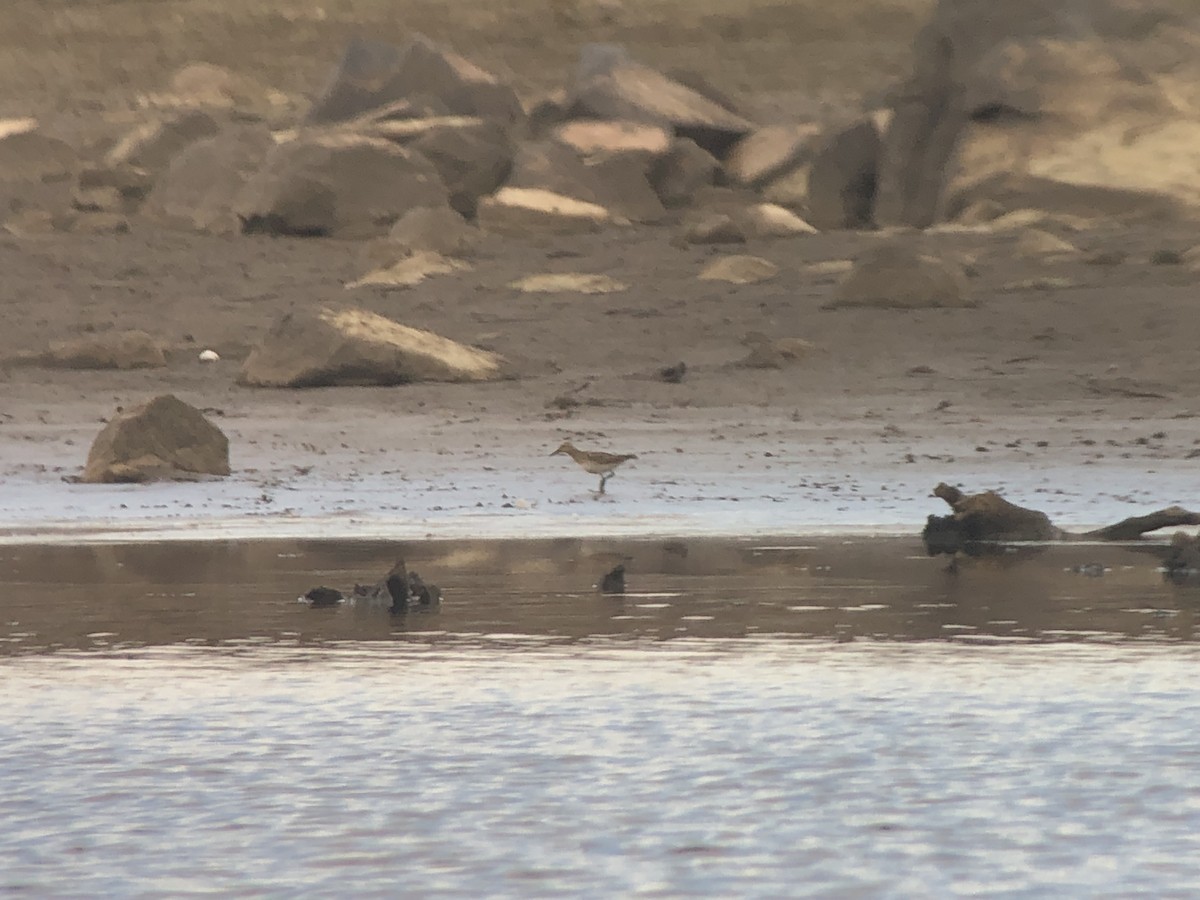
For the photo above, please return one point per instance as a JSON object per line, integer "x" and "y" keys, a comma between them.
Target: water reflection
{"x": 113, "y": 595}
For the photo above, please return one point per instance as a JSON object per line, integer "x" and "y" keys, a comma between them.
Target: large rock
{"x": 616, "y": 181}
{"x": 770, "y": 153}
{"x": 116, "y": 350}
{"x": 842, "y": 178}
{"x": 33, "y": 156}
{"x": 337, "y": 185}
{"x": 608, "y": 85}
{"x": 200, "y": 189}
{"x": 374, "y": 74}
{"x": 354, "y": 347}
{"x": 112, "y": 350}
{"x": 153, "y": 145}
{"x": 472, "y": 160}
{"x": 1084, "y": 93}
{"x": 685, "y": 170}
{"x": 437, "y": 230}
{"x": 899, "y": 276}
{"x": 164, "y": 438}
{"x": 534, "y": 211}
{"x": 592, "y": 136}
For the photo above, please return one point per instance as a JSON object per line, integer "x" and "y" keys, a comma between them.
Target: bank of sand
{"x": 1078, "y": 400}
{"x": 1071, "y": 386}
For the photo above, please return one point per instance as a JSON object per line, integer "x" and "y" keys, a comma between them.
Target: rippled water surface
{"x": 826, "y": 719}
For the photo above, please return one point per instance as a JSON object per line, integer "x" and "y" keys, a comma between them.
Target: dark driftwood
{"x": 988, "y": 518}
{"x": 1133, "y": 528}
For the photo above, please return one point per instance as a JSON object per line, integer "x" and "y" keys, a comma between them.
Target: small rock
{"x": 1166, "y": 257}
{"x": 708, "y": 227}
{"x": 563, "y": 282}
{"x": 739, "y": 270}
{"x": 410, "y": 271}
{"x": 768, "y": 220}
{"x": 897, "y": 276}
{"x": 768, "y": 353}
{"x": 1033, "y": 242}
{"x": 673, "y": 374}
{"x": 532, "y": 211}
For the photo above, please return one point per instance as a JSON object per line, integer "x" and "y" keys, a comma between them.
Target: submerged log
{"x": 988, "y": 518}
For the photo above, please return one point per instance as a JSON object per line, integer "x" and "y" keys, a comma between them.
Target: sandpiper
{"x": 594, "y": 461}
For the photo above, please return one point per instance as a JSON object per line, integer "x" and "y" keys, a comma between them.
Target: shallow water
{"x": 802, "y": 719}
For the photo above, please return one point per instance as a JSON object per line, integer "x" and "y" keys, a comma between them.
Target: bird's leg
{"x": 603, "y": 481}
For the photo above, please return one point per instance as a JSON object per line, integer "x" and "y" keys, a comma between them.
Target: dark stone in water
{"x": 613, "y": 582}
{"x": 426, "y": 596}
{"x": 398, "y": 590}
{"x": 1183, "y": 558}
{"x": 324, "y": 596}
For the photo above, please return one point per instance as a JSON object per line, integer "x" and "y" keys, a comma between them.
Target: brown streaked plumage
{"x": 594, "y": 461}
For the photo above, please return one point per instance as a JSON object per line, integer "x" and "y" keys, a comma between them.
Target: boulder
{"x": 533, "y": 211}
{"x": 436, "y": 229}
{"x": 842, "y": 176}
{"x": 608, "y": 85}
{"x": 33, "y": 156}
{"x": 152, "y": 145}
{"x": 337, "y": 185}
{"x": 682, "y": 172}
{"x": 201, "y": 187}
{"x": 770, "y": 153}
{"x": 1037, "y": 244}
{"x": 1052, "y": 199}
{"x": 113, "y": 350}
{"x": 616, "y": 181}
{"x": 768, "y": 220}
{"x": 472, "y": 160}
{"x": 131, "y": 182}
{"x": 739, "y": 270}
{"x": 790, "y": 190}
{"x": 897, "y": 275}
{"x": 1072, "y": 93}
{"x": 410, "y": 271}
{"x": 326, "y": 347}
{"x": 591, "y": 136}
{"x": 163, "y": 438}
{"x": 374, "y": 74}
{"x": 706, "y": 226}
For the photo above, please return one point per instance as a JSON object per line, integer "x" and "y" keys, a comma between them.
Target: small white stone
{"x": 209, "y": 356}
